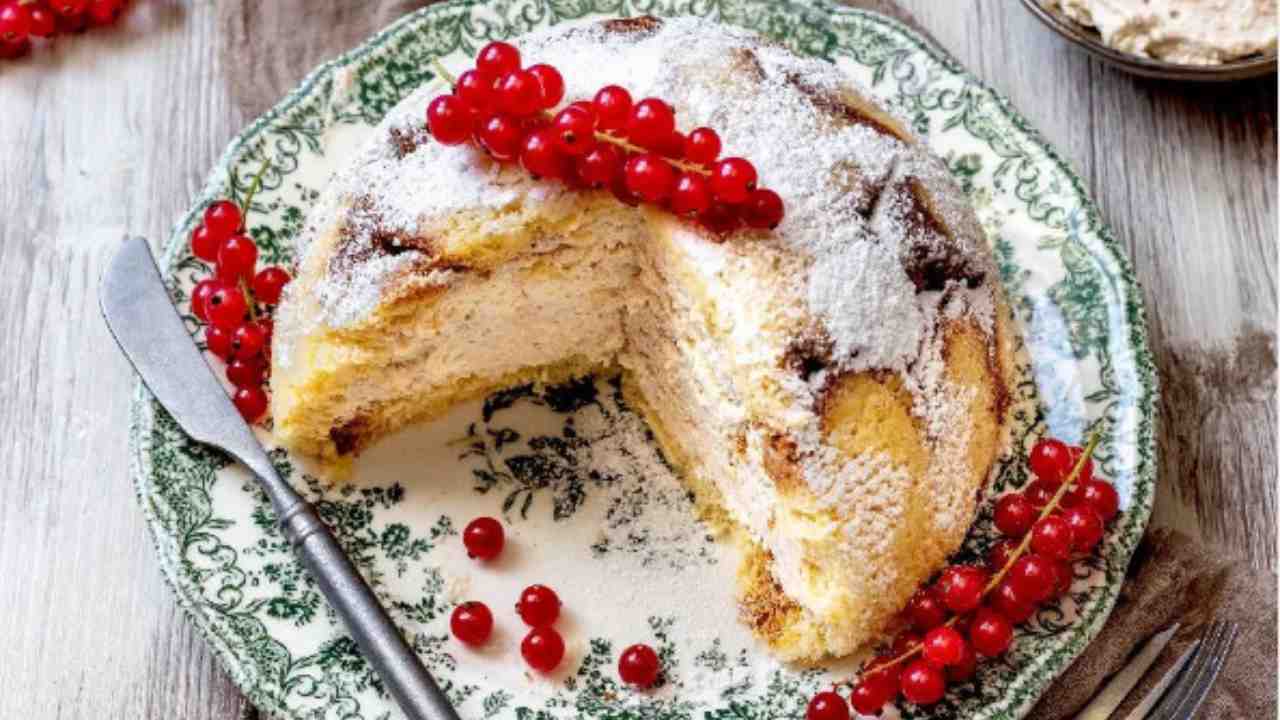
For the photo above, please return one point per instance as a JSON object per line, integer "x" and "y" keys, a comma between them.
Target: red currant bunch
{"x": 23, "y": 20}
{"x": 612, "y": 141}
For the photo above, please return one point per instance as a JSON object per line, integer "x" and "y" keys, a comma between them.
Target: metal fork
{"x": 1188, "y": 692}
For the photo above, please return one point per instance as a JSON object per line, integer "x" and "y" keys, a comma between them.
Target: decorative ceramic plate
{"x": 591, "y": 507}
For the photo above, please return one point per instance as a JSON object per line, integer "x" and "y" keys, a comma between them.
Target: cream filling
{"x": 1191, "y": 32}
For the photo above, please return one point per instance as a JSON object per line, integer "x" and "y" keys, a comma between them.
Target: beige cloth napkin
{"x": 274, "y": 44}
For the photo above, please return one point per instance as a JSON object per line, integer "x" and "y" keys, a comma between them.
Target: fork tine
{"x": 1183, "y": 686}
{"x": 1188, "y": 707}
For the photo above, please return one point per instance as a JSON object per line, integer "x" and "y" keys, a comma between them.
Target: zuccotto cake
{"x": 835, "y": 390}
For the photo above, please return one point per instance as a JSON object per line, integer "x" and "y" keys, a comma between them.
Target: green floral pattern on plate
{"x": 526, "y": 453}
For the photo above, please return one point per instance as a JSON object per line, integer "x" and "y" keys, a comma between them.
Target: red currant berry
{"x": 218, "y": 340}
{"x": 702, "y": 146}
{"x": 762, "y": 209}
{"x": 880, "y": 667}
{"x": 1014, "y": 515}
{"x": 650, "y": 123}
{"x": 613, "y": 107}
{"x": 943, "y": 646}
{"x": 964, "y": 670}
{"x": 639, "y": 666}
{"x": 15, "y": 22}
{"x": 105, "y": 12}
{"x": 483, "y": 538}
{"x": 237, "y": 257}
{"x": 246, "y": 373}
{"x": 542, "y": 648}
{"x": 905, "y": 642}
{"x": 550, "y": 85}
{"x": 226, "y": 307}
{"x": 251, "y": 402}
{"x": 574, "y": 130}
{"x": 472, "y": 623}
{"x": 690, "y": 196}
{"x": 721, "y": 219}
{"x": 73, "y": 22}
{"x": 873, "y": 692}
{"x": 1065, "y": 575}
{"x": 1076, "y": 452}
{"x": 476, "y": 90}
{"x": 70, "y": 7}
{"x": 1051, "y": 537}
{"x": 497, "y": 58}
{"x": 14, "y": 50}
{"x": 449, "y": 119}
{"x": 518, "y": 93}
{"x": 1006, "y": 601}
{"x": 990, "y": 633}
{"x": 223, "y": 219}
{"x": 1039, "y": 493}
{"x": 999, "y": 555}
{"x": 618, "y": 186}
{"x": 500, "y": 136}
{"x": 922, "y": 683}
{"x": 1050, "y": 460}
{"x": 200, "y": 293}
{"x": 732, "y": 180}
{"x": 269, "y": 283}
{"x": 926, "y": 610}
{"x": 673, "y": 146}
{"x": 1033, "y": 577}
{"x": 204, "y": 244}
{"x": 599, "y": 165}
{"x": 1099, "y": 495}
{"x": 1086, "y": 527}
{"x": 649, "y": 177}
{"x": 539, "y": 155}
{"x": 962, "y": 586}
{"x": 44, "y": 23}
{"x": 538, "y": 606}
{"x": 247, "y": 341}
{"x": 827, "y": 705}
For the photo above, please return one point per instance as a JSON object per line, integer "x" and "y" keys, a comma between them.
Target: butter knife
{"x": 143, "y": 320}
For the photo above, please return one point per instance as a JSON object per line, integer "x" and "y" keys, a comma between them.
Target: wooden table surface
{"x": 112, "y": 132}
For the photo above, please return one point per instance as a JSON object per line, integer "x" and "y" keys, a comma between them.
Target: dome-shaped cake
{"x": 834, "y": 390}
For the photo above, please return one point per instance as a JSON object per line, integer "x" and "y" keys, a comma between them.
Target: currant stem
{"x": 249, "y": 299}
{"x": 254, "y": 185}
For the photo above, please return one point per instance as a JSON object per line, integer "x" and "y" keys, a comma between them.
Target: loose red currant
{"x": 226, "y": 307}
{"x": 721, "y": 219}
{"x": 1014, "y": 515}
{"x": 449, "y": 119}
{"x": 827, "y": 705}
{"x": 204, "y": 244}
{"x": 105, "y": 12}
{"x": 539, "y": 155}
{"x": 574, "y": 130}
{"x": 1033, "y": 577}
{"x": 990, "y": 633}
{"x": 964, "y": 670}
{"x": 1039, "y": 493}
{"x": 650, "y": 123}
{"x": 200, "y": 293}
{"x": 483, "y": 538}
{"x": 247, "y": 341}
{"x": 922, "y": 683}
{"x": 498, "y": 58}
{"x": 1099, "y": 495}
{"x": 246, "y": 373}
{"x": 1075, "y": 452}
{"x": 599, "y": 165}
{"x": 1051, "y": 537}
{"x": 500, "y": 135}
{"x": 639, "y": 666}
{"x": 1006, "y": 601}
{"x": 542, "y": 648}
{"x": 702, "y": 146}
{"x": 926, "y": 610}
{"x": 690, "y": 196}
{"x": 237, "y": 257}
{"x": 223, "y": 219}
{"x": 999, "y": 554}
{"x": 44, "y": 23}
{"x": 472, "y": 623}
{"x": 732, "y": 180}
{"x": 962, "y": 586}
{"x": 15, "y": 22}
{"x": 475, "y": 89}
{"x": 538, "y": 606}
{"x": 613, "y": 107}
{"x": 649, "y": 177}
{"x": 872, "y": 693}
{"x": 251, "y": 402}
{"x": 943, "y": 646}
{"x": 269, "y": 283}
{"x": 519, "y": 93}
{"x": 218, "y": 340}
{"x": 1086, "y": 527}
{"x": 550, "y": 85}
{"x": 762, "y": 209}
{"x": 1050, "y": 460}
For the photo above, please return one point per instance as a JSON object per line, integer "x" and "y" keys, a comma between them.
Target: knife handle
{"x": 379, "y": 639}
